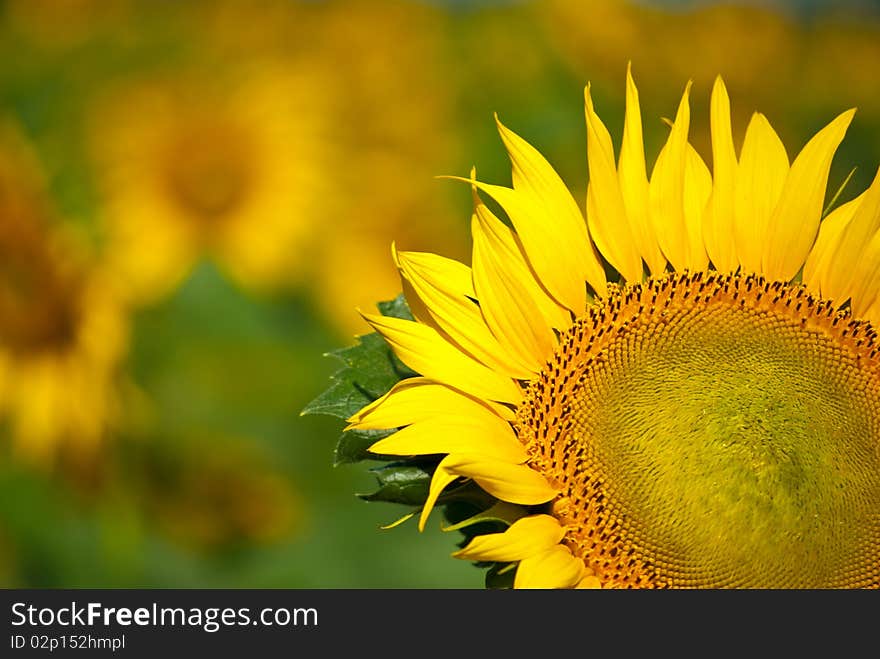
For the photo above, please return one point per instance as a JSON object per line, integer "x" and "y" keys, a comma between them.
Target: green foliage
{"x": 370, "y": 370}
{"x": 500, "y": 576}
{"x": 401, "y": 482}
{"x": 352, "y": 446}
{"x": 396, "y": 308}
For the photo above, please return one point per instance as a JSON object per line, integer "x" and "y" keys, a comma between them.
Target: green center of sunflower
{"x": 715, "y": 432}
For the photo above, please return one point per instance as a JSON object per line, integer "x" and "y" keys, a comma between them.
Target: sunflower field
{"x": 201, "y": 202}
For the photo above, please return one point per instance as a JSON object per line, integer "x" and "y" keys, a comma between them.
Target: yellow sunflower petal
{"x": 534, "y": 177}
{"x": 419, "y": 399}
{"x": 446, "y": 290}
{"x": 866, "y": 279}
{"x": 821, "y": 273}
{"x": 558, "y": 262}
{"x": 590, "y": 581}
{"x": 487, "y": 436}
{"x": 416, "y": 305}
{"x": 504, "y": 243}
{"x": 440, "y": 480}
{"x": 845, "y": 274}
{"x": 666, "y": 191}
{"x": 697, "y": 190}
{"x": 514, "y": 483}
{"x": 873, "y": 313}
{"x": 633, "y": 179}
{"x": 760, "y": 177}
{"x": 718, "y": 219}
{"x": 456, "y": 275}
{"x": 795, "y": 220}
{"x": 554, "y": 568}
{"x": 425, "y": 351}
{"x": 413, "y": 301}
{"x": 507, "y": 305}
{"x": 526, "y": 537}
{"x": 606, "y": 214}
{"x": 558, "y": 271}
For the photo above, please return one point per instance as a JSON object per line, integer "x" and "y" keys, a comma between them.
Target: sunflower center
{"x": 714, "y": 431}
{"x": 38, "y": 298}
{"x": 207, "y": 171}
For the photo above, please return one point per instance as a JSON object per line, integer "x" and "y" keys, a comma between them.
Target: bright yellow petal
{"x": 514, "y": 483}
{"x": 526, "y": 537}
{"x": 414, "y": 302}
{"x": 440, "y": 480}
{"x": 873, "y": 313}
{"x": 397, "y": 522}
{"x": 718, "y": 221}
{"x": 507, "y": 305}
{"x": 456, "y": 275}
{"x": 490, "y": 437}
{"x": 555, "y": 568}
{"x": 416, "y": 306}
{"x": 795, "y": 220}
{"x": 590, "y": 581}
{"x": 419, "y": 399}
{"x": 425, "y": 351}
{"x": 821, "y": 273}
{"x": 697, "y": 190}
{"x": 844, "y": 269}
{"x": 506, "y": 246}
{"x": 866, "y": 279}
{"x": 606, "y": 213}
{"x": 760, "y": 177}
{"x": 666, "y": 191}
{"x": 445, "y": 289}
{"x": 633, "y": 178}
{"x": 534, "y": 177}
{"x": 552, "y": 259}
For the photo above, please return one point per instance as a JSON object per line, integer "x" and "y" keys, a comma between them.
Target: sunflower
{"x": 210, "y": 499}
{"x": 681, "y": 389}
{"x": 220, "y": 168}
{"x": 62, "y": 329}
{"x": 238, "y": 155}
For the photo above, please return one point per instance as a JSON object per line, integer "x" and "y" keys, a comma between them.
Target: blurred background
{"x": 195, "y": 197}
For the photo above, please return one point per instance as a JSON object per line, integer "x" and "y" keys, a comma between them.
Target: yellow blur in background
{"x": 196, "y": 197}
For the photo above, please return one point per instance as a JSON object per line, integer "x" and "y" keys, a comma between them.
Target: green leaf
{"x": 400, "y": 482}
{"x": 500, "y": 576}
{"x": 502, "y": 512}
{"x": 407, "y": 482}
{"x": 396, "y": 308}
{"x": 370, "y": 370}
{"x": 352, "y": 446}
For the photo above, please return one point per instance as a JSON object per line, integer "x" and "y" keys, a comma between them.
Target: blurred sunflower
{"x": 245, "y": 165}
{"x": 750, "y": 43}
{"x": 747, "y": 41}
{"x": 681, "y": 391}
{"x": 62, "y": 331}
{"x": 229, "y": 168}
{"x": 217, "y": 499}
{"x": 395, "y": 126}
